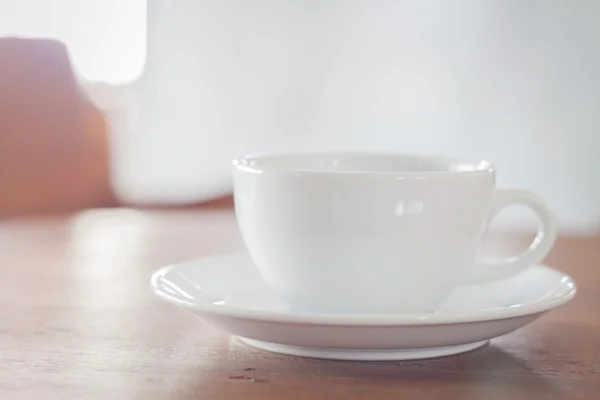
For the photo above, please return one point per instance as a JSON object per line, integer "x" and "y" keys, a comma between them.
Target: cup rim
{"x": 255, "y": 163}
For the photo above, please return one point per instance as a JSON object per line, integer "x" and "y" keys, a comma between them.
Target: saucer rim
{"x": 451, "y": 317}
{"x": 356, "y": 354}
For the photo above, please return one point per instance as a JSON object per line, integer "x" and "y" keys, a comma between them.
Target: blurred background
{"x": 142, "y": 103}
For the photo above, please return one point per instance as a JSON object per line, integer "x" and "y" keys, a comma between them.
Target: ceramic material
{"x": 372, "y": 232}
{"x": 229, "y": 292}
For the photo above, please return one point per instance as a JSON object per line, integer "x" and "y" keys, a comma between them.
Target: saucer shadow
{"x": 484, "y": 369}
{"x": 489, "y": 372}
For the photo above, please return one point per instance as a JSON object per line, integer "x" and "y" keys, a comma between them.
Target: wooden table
{"x": 78, "y": 321}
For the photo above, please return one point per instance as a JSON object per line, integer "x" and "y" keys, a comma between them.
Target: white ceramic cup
{"x": 373, "y": 232}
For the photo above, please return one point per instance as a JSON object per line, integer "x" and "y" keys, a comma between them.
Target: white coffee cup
{"x": 373, "y": 232}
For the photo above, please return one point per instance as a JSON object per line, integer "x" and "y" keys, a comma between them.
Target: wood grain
{"x": 79, "y": 322}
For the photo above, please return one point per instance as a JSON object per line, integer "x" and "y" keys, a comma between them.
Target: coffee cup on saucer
{"x": 374, "y": 233}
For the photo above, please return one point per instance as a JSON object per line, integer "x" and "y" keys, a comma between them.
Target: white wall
{"x": 106, "y": 38}
{"x": 512, "y": 81}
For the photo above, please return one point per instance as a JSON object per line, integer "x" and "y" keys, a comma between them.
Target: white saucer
{"x": 229, "y": 292}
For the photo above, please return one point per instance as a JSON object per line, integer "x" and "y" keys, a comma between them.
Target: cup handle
{"x": 537, "y": 250}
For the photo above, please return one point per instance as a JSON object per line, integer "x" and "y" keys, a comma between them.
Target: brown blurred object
{"x": 53, "y": 141}
{"x": 54, "y": 154}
